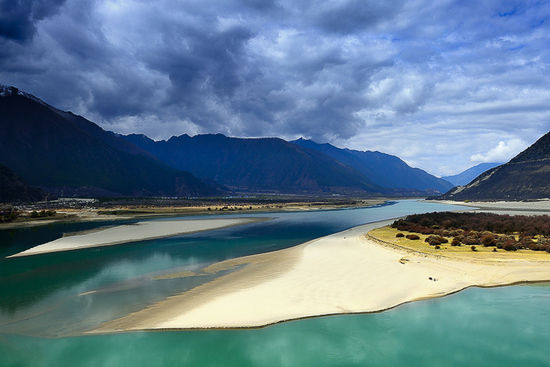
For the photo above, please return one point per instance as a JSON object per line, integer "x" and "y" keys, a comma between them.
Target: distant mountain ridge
{"x": 466, "y": 176}
{"x": 273, "y": 164}
{"x": 383, "y": 169}
{"x": 526, "y": 176}
{"x": 257, "y": 165}
{"x": 68, "y": 155}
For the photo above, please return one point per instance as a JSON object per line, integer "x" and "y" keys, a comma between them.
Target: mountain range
{"x": 68, "y": 155}
{"x": 300, "y": 166}
{"x": 468, "y": 175}
{"x": 526, "y": 176}
{"x": 270, "y": 165}
{"x": 383, "y": 169}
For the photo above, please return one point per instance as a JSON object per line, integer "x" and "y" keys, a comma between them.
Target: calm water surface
{"x": 477, "y": 327}
{"x": 48, "y": 299}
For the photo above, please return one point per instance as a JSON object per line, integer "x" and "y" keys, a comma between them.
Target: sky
{"x": 442, "y": 84}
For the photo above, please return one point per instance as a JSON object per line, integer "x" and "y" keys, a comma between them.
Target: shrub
{"x": 437, "y": 247}
{"x": 527, "y": 243}
{"x": 425, "y": 230}
{"x": 400, "y": 235}
{"x": 470, "y": 240}
{"x": 473, "y": 248}
{"x": 529, "y": 225}
{"x": 8, "y": 213}
{"x": 455, "y": 242}
{"x": 510, "y": 245}
{"x": 412, "y": 237}
{"x": 432, "y": 240}
{"x": 487, "y": 229}
{"x": 488, "y": 240}
{"x": 499, "y": 242}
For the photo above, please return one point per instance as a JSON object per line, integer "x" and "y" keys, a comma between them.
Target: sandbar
{"x": 140, "y": 231}
{"x": 345, "y": 272}
{"x": 531, "y": 206}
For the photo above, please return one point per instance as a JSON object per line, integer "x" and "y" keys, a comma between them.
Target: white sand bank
{"x": 139, "y": 231}
{"x": 542, "y": 205}
{"x": 341, "y": 273}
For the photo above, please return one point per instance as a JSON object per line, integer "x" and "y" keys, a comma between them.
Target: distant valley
{"x": 525, "y": 177}
{"x": 466, "y": 176}
{"x": 63, "y": 154}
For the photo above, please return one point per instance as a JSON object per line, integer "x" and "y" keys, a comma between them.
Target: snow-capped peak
{"x": 8, "y": 90}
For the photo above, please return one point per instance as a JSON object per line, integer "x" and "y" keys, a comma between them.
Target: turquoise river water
{"x": 47, "y": 301}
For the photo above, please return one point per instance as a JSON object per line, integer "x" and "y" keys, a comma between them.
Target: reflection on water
{"x": 477, "y": 327}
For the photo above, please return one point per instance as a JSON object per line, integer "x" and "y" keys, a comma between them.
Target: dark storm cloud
{"x": 365, "y": 74}
{"x": 18, "y": 17}
{"x": 195, "y": 59}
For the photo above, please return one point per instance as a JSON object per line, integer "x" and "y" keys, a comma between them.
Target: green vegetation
{"x": 435, "y": 240}
{"x": 8, "y": 214}
{"x": 388, "y": 234}
{"x": 506, "y": 232}
{"x": 42, "y": 213}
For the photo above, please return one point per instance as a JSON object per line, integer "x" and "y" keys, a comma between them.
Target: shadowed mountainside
{"x": 257, "y": 165}
{"x": 383, "y": 169}
{"x": 12, "y": 189}
{"x": 69, "y": 155}
{"x": 527, "y": 176}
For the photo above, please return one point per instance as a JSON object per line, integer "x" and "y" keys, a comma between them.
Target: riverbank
{"x": 143, "y": 211}
{"x": 341, "y": 273}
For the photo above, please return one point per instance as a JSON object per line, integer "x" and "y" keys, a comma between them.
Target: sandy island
{"x": 140, "y": 231}
{"x": 345, "y": 272}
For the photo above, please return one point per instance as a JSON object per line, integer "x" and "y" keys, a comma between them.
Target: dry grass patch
{"x": 388, "y": 234}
